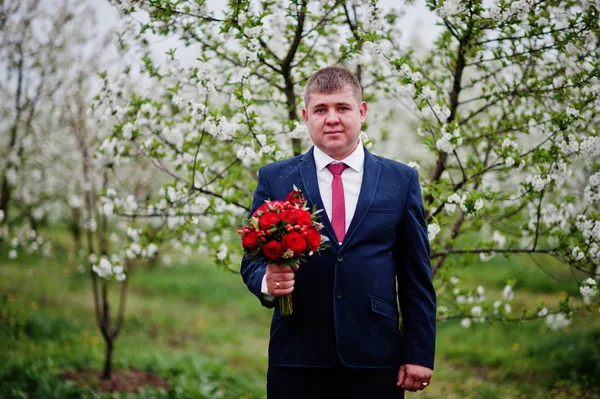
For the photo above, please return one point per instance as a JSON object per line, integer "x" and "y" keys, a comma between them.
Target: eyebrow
{"x": 337, "y": 104}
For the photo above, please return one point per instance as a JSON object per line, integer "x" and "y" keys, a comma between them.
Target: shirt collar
{"x": 356, "y": 160}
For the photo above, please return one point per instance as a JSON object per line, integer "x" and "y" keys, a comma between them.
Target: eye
{"x": 319, "y": 111}
{"x": 344, "y": 109}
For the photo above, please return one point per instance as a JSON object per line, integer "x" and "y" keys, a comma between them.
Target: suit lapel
{"x": 368, "y": 189}
{"x": 308, "y": 171}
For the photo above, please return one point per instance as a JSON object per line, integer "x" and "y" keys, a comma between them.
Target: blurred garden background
{"x": 131, "y": 132}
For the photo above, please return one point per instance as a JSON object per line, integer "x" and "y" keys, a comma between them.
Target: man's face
{"x": 334, "y": 121}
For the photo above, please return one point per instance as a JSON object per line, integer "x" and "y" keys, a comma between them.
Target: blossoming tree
{"x": 505, "y": 103}
{"x": 48, "y": 173}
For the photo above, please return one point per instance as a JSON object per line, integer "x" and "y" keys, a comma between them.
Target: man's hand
{"x": 413, "y": 377}
{"x": 280, "y": 279}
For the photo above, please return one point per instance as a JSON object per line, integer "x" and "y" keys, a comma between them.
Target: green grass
{"x": 200, "y": 328}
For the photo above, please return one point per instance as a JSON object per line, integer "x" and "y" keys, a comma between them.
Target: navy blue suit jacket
{"x": 346, "y": 298}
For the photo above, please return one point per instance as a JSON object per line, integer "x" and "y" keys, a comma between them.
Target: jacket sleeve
{"x": 252, "y": 271}
{"x": 416, "y": 293}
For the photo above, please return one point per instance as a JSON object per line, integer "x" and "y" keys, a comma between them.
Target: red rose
{"x": 314, "y": 239}
{"x": 288, "y": 216}
{"x": 295, "y": 242}
{"x": 272, "y": 250}
{"x": 250, "y": 239}
{"x": 263, "y": 208}
{"x": 268, "y": 220}
{"x": 295, "y": 197}
{"x": 302, "y": 217}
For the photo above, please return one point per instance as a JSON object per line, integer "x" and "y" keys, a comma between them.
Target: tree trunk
{"x": 107, "y": 371}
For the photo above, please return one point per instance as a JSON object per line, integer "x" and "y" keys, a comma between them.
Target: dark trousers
{"x": 319, "y": 383}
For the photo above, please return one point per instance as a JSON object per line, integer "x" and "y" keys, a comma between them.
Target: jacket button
{"x": 340, "y": 258}
{"x": 338, "y": 295}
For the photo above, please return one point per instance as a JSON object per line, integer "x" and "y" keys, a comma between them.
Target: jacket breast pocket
{"x": 383, "y": 308}
{"x": 383, "y": 211}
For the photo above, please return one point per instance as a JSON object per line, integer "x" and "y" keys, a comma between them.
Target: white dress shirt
{"x": 351, "y": 179}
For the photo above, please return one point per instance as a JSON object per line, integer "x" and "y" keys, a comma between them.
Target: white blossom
{"x": 485, "y": 256}
{"x": 498, "y": 238}
{"x": 577, "y": 254}
{"x": 543, "y": 312}
{"x": 508, "y": 293}
{"x": 557, "y": 321}
{"x": 588, "y": 289}
{"x": 222, "y": 253}
{"x": 414, "y": 165}
{"x": 432, "y": 230}
{"x": 465, "y": 323}
{"x": 449, "y": 8}
{"x": 244, "y": 72}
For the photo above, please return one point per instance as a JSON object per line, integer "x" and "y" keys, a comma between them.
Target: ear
{"x": 305, "y": 115}
{"x": 363, "y": 112}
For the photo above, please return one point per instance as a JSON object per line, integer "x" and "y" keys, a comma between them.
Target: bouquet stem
{"x": 285, "y": 305}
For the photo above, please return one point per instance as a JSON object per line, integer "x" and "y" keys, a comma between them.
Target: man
{"x": 344, "y": 332}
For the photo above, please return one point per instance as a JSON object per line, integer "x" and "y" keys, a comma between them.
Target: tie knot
{"x": 336, "y": 169}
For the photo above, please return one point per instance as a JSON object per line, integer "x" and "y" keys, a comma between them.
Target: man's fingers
{"x": 408, "y": 383}
{"x": 275, "y": 268}
{"x": 401, "y": 375}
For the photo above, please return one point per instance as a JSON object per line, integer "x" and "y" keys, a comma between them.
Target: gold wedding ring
{"x": 277, "y": 284}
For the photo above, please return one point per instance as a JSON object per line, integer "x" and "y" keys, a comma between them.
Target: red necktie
{"x": 338, "y": 205}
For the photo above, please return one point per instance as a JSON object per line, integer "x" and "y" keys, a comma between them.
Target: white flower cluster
{"x": 250, "y": 52}
{"x": 521, "y": 8}
{"x": 206, "y": 79}
{"x": 254, "y": 32}
{"x": 110, "y": 201}
{"x": 498, "y": 238}
{"x": 448, "y": 142}
{"x": 432, "y": 230}
{"x": 105, "y": 269}
{"x": 244, "y": 72}
{"x": 222, "y": 252}
{"x": 197, "y": 207}
{"x": 553, "y": 216}
{"x": 468, "y": 206}
{"x": 470, "y": 298}
{"x": 558, "y": 321}
{"x": 414, "y": 165}
{"x": 373, "y": 23}
{"x": 591, "y": 193}
{"x": 589, "y": 228}
{"x": 408, "y": 73}
{"x": 510, "y": 148}
{"x": 449, "y": 8}
{"x": 538, "y": 182}
{"x": 588, "y": 289}
{"x": 220, "y": 128}
{"x": 568, "y": 146}
{"x": 577, "y": 254}
{"x": 450, "y": 205}
{"x": 590, "y": 147}
{"x": 247, "y": 155}
{"x": 300, "y": 131}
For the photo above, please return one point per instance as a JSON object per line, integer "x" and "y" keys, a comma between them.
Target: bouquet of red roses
{"x": 284, "y": 232}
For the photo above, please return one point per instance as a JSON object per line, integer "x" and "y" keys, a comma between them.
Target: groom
{"x": 344, "y": 335}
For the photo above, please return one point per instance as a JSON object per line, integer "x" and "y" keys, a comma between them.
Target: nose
{"x": 332, "y": 118}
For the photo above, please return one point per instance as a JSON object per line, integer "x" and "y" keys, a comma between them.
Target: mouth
{"x": 334, "y": 132}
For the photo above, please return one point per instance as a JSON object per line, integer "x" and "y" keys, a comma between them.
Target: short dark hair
{"x": 330, "y": 79}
